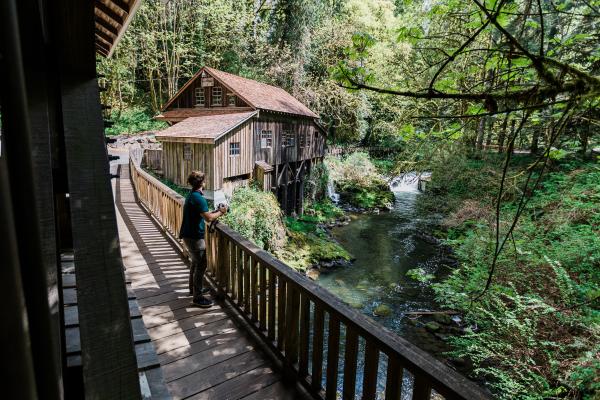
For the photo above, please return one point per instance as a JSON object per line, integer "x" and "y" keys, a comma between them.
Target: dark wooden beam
{"x": 102, "y": 22}
{"x": 25, "y": 153}
{"x": 109, "y": 361}
{"x": 109, "y": 12}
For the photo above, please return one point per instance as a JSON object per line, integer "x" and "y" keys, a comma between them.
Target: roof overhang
{"x": 112, "y": 18}
{"x": 199, "y": 139}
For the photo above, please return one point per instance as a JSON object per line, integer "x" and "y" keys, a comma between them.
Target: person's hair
{"x": 196, "y": 179}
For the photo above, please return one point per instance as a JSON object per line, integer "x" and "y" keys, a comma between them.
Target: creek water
{"x": 386, "y": 246}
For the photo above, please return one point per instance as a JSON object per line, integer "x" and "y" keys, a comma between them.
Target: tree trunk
{"x": 480, "y": 133}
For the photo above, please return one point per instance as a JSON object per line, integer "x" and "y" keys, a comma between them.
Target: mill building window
{"x": 266, "y": 139}
{"x": 199, "y": 95}
{"x": 217, "y": 96}
{"x": 234, "y": 149}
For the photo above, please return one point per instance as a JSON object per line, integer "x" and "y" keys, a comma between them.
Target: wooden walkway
{"x": 204, "y": 353}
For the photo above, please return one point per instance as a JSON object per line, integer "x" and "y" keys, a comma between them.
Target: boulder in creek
{"x": 382, "y": 310}
{"x": 432, "y": 326}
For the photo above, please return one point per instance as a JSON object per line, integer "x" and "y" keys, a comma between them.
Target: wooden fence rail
{"x": 319, "y": 338}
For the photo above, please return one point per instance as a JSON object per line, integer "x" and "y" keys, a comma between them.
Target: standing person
{"x": 195, "y": 212}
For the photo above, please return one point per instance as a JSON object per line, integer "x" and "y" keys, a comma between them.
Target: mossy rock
{"x": 433, "y": 326}
{"x": 382, "y": 310}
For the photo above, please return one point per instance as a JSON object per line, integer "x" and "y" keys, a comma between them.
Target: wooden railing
{"x": 164, "y": 203}
{"x": 320, "y": 340}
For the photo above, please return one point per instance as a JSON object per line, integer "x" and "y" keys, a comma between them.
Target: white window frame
{"x": 235, "y": 149}
{"x": 199, "y": 94}
{"x": 308, "y": 140}
{"x": 215, "y": 96}
{"x": 266, "y": 139}
{"x": 231, "y": 97}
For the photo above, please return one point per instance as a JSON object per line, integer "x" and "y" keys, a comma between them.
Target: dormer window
{"x": 231, "y": 100}
{"x": 217, "y": 96}
{"x": 199, "y": 96}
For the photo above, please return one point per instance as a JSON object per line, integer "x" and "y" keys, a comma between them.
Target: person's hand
{"x": 223, "y": 208}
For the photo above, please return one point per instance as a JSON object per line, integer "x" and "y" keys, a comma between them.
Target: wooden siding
{"x": 218, "y": 165}
{"x": 177, "y": 169}
{"x": 187, "y": 98}
{"x": 227, "y": 166}
{"x": 278, "y": 154}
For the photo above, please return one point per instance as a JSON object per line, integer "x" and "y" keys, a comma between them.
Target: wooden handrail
{"x": 299, "y": 319}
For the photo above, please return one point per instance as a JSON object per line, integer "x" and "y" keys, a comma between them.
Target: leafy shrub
{"x": 359, "y": 182}
{"x": 133, "y": 120}
{"x": 256, "y": 215}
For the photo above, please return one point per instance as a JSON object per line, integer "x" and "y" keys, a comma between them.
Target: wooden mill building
{"x": 234, "y": 129}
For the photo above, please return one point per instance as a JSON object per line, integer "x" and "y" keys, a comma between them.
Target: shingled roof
{"x": 207, "y": 128}
{"x": 258, "y": 95}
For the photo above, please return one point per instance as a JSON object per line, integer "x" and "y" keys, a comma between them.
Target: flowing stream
{"x": 386, "y": 246}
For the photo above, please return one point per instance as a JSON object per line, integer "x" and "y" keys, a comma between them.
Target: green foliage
{"x": 133, "y": 120}
{"x": 419, "y": 275}
{"x": 256, "y": 215}
{"x": 321, "y": 212}
{"x": 359, "y": 182}
{"x": 538, "y": 327}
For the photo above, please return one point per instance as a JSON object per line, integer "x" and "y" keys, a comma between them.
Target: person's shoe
{"x": 202, "y": 302}
{"x": 203, "y": 291}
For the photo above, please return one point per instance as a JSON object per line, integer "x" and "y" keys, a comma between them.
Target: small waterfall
{"x": 331, "y": 193}
{"x": 408, "y": 182}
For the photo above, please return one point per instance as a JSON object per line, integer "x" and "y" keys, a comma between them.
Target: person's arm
{"x": 211, "y": 216}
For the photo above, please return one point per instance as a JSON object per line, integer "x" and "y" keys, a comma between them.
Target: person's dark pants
{"x": 197, "y": 250}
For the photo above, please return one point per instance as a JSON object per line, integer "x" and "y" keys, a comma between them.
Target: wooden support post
{"x": 350, "y": 361}
{"x": 370, "y": 373}
{"x": 317, "y": 352}
{"x": 109, "y": 361}
{"x": 333, "y": 354}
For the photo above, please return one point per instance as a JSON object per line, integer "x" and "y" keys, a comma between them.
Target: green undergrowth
{"x": 359, "y": 182}
{"x": 536, "y": 331}
{"x": 173, "y": 186}
{"x": 133, "y": 120}
{"x": 308, "y": 242}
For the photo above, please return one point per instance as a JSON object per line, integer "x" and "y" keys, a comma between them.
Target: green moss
{"x": 305, "y": 249}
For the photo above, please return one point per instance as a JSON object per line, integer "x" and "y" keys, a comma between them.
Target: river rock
{"x": 382, "y": 310}
{"x": 313, "y": 273}
{"x": 432, "y": 326}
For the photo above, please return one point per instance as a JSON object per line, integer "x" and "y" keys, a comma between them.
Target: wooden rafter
{"x": 104, "y": 36}
{"x": 101, "y": 50}
{"x": 109, "y": 12}
{"x": 105, "y": 48}
{"x": 102, "y": 23}
{"x": 121, "y": 4}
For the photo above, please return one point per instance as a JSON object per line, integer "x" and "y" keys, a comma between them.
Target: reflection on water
{"x": 386, "y": 246}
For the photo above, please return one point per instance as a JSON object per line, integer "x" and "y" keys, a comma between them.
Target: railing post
{"x": 333, "y": 353}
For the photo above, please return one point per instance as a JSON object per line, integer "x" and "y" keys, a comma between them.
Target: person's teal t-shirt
{"x": 192, "y": 226}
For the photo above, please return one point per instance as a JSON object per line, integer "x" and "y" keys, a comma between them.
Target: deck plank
{"x": 202, "y": 352}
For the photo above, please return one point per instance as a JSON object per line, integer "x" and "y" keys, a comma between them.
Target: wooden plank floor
{"x": 202, "y": 352}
